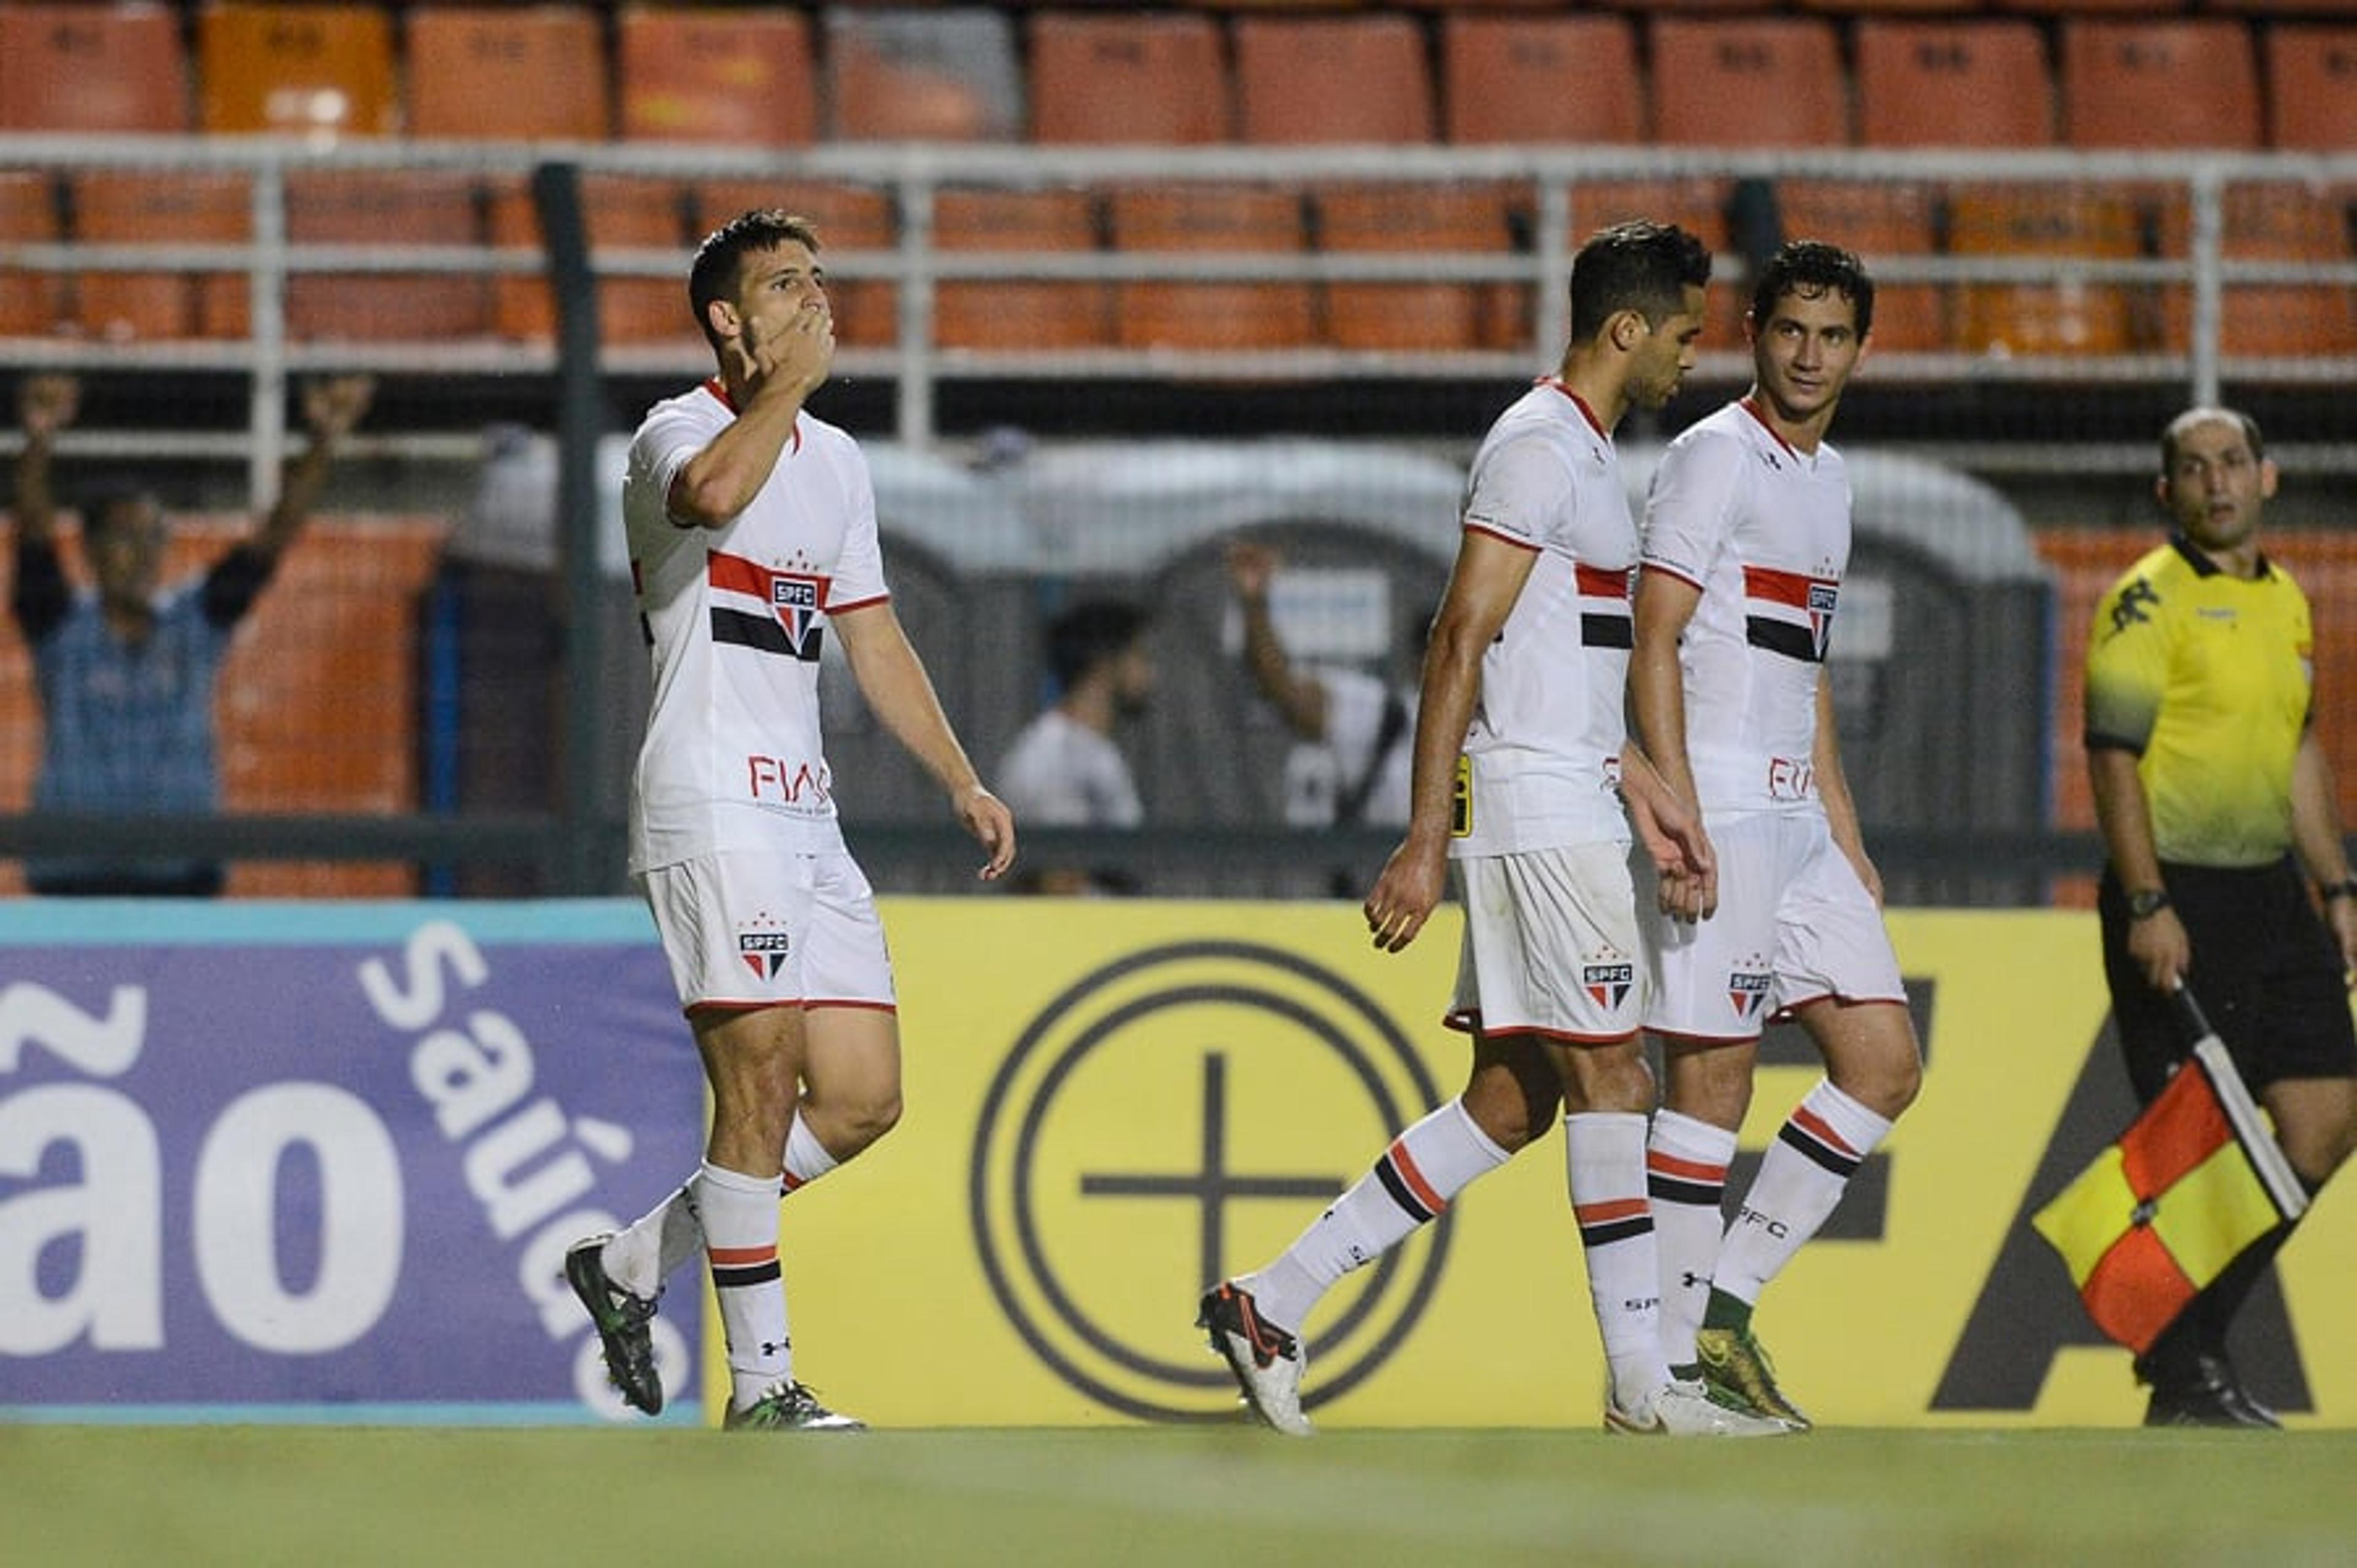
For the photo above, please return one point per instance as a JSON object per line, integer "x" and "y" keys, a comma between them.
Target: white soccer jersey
{"x": 1542, "y": 754}
{"x": 1763, "y": 530}
{"x": 732, "y": 757}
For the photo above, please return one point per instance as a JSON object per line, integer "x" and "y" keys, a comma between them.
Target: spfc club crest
{"x": 1746, "y": 994}
{"x": 1608, "y": 983}
{"x": 764, "y": 952}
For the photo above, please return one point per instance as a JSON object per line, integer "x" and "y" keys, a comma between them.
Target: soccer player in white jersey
{"x": 752, "y": 536}
{"x": 1746, "y": 536}
{"x": 1520, "y": 779}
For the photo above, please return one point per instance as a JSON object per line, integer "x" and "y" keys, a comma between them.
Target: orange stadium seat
{"x": 1116, "y": 78}
{"x": 378, "y": 208}
{"x": 1980, "y": 83}
{"x": 1879, "y": 222}
{"x": 2282, "y": 222}
{"x": 2070, "y": 314}
{"x": 1243, "y": 314}
{"x": 118, "y": 67}
{"x": 1020, "y": 313}
{"x": 703, "y": 74}
{"x": 2072, "y": 7}
{"x": 1347, "y": 79}
{"x": 2312, "y": 87}
{"x": 948, "y": 74}
{"x": 1769, "y": 82}
{"x": 312, "y": 69}
{"x": 115, "y": 208}
{"x": 1504, "y": 78}
{"x": 1420, "y": 316}
{"x": 622, "y": 212}
{"x": 848, "y": 218}
{"x": 32, "y": 304}
{"x": 2158, "y": 85}
{"x": 500, "y": 73}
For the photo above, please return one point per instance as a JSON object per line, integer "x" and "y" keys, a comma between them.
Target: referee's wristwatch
{"x": 2147, "y": 902}
{"x": 2344, "y": 888}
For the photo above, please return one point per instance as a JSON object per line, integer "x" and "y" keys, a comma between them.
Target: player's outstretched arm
{"x": 331, "y": 408}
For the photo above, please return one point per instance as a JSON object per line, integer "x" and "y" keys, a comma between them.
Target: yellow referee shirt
{"x": 2207, "y": 678}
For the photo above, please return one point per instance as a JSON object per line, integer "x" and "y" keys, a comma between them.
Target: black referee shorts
{"x": 2266, "y": 971}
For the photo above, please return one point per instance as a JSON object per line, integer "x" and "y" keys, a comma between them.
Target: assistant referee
{"x": 2227, "y": 867}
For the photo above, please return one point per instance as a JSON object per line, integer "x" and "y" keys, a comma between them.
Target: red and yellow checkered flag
{"x": 2195, "y": 1179}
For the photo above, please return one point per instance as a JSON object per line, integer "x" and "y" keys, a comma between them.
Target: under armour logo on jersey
{"x": 1746, "y": 994}
{"x": 1608, "y": 984}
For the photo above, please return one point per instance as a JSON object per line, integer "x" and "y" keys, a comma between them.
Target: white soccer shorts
{"x": 1550, "y": 945}
{"x": 1794, "y": 924}
{"x": 760, "y": 928}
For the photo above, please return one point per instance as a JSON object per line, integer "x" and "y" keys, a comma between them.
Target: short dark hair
{"x": 2175, "y": 430}
{"x": 1809, "y": 268}
{"x": 104, "y": 502}
{"x": 720, "y": 259}
{"x": 1090, "y": 633}
{"x": 1639, "y": 265}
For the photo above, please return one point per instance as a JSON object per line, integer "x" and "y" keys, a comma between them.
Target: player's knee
{"x": 1885, "y": 1083}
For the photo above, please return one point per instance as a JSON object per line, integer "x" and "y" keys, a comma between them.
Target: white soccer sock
{"x": 1801, "y": 1181}
{"x": 643, "y": 1255}
{"x": 740, "y": 1233}
{"x": 806, "y": 1157}
{"x": 1604, "y": 1159}
{"x": 1425, "y": 1168}
{"x": 1685, "y": 1175}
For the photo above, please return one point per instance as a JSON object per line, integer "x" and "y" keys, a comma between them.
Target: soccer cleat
{"x": 2213, "y": 1397}
{"x": 1687, "y": 1408}
{"x": 621, "y": 1320}
{"x": 1266, "y": 1361}
{"x": 788, "y": 1407}
{"x": 1736, "y": 1367}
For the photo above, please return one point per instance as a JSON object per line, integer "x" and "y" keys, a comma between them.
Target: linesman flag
{"x": 2195, "y": 1179}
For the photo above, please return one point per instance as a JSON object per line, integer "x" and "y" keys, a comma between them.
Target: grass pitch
{"x": 357, "y": 1498}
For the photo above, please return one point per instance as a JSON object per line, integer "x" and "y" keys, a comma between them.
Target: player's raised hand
{"x": 795, "y": 353}
{"x": 334, "y": 405}
{"x": 47, "y": 404}
{"x": 1250, "y": 566}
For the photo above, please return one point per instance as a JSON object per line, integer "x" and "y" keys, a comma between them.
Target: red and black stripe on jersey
{"x": 1787, "y": 613}
{"x": 1603, "y": 620}
{"x": 758, "y": 608}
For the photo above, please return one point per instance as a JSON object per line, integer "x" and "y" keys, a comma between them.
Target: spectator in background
{"x": 125, "y": 668}
{"x": 1064, "y": 769}
{"x": 1356, "y": 730}
{"x": 2219, "y": 808}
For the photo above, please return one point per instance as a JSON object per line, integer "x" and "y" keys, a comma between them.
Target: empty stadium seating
{"x": 2312, "y": 81}
{"x": 142, "y": 206}
{"x": 742, "y": 77}
{"x": 944, "y": 75}
{"x": 1504, "y": 78}
{"x": 32, "y": 304}
{"x": 111, "y": 66}
{"x": 1243, "y": 314}
{"x": 2176, "y": 83}
{"x": 1021, "y": 313}
{"x": 318, "y": 71}
{"x": 1331, "y": 79}
{"x": 1974, "y": 83}
{"x": 1117, "y": 77}
{"x": 1769, "y": 82}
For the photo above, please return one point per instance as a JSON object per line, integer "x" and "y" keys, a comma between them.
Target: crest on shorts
{"x": 1746, "y": 993}
{"x": 1608, "y": 981}
{"x": 764, "y": 947}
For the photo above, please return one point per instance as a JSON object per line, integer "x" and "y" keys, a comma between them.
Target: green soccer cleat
{"x": 621, "y": 1320}
{"x": 1736, "y": 1367}
{"x": 788, "y": 1407}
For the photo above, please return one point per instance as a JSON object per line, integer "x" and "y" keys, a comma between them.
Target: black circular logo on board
{"x": 1173, "y": 1118}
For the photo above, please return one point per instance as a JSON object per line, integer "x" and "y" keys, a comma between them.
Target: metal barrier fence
{"x": 2041, "y": 313}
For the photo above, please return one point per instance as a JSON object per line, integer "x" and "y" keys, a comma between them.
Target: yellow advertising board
{"x": 1110, "y": 1104}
